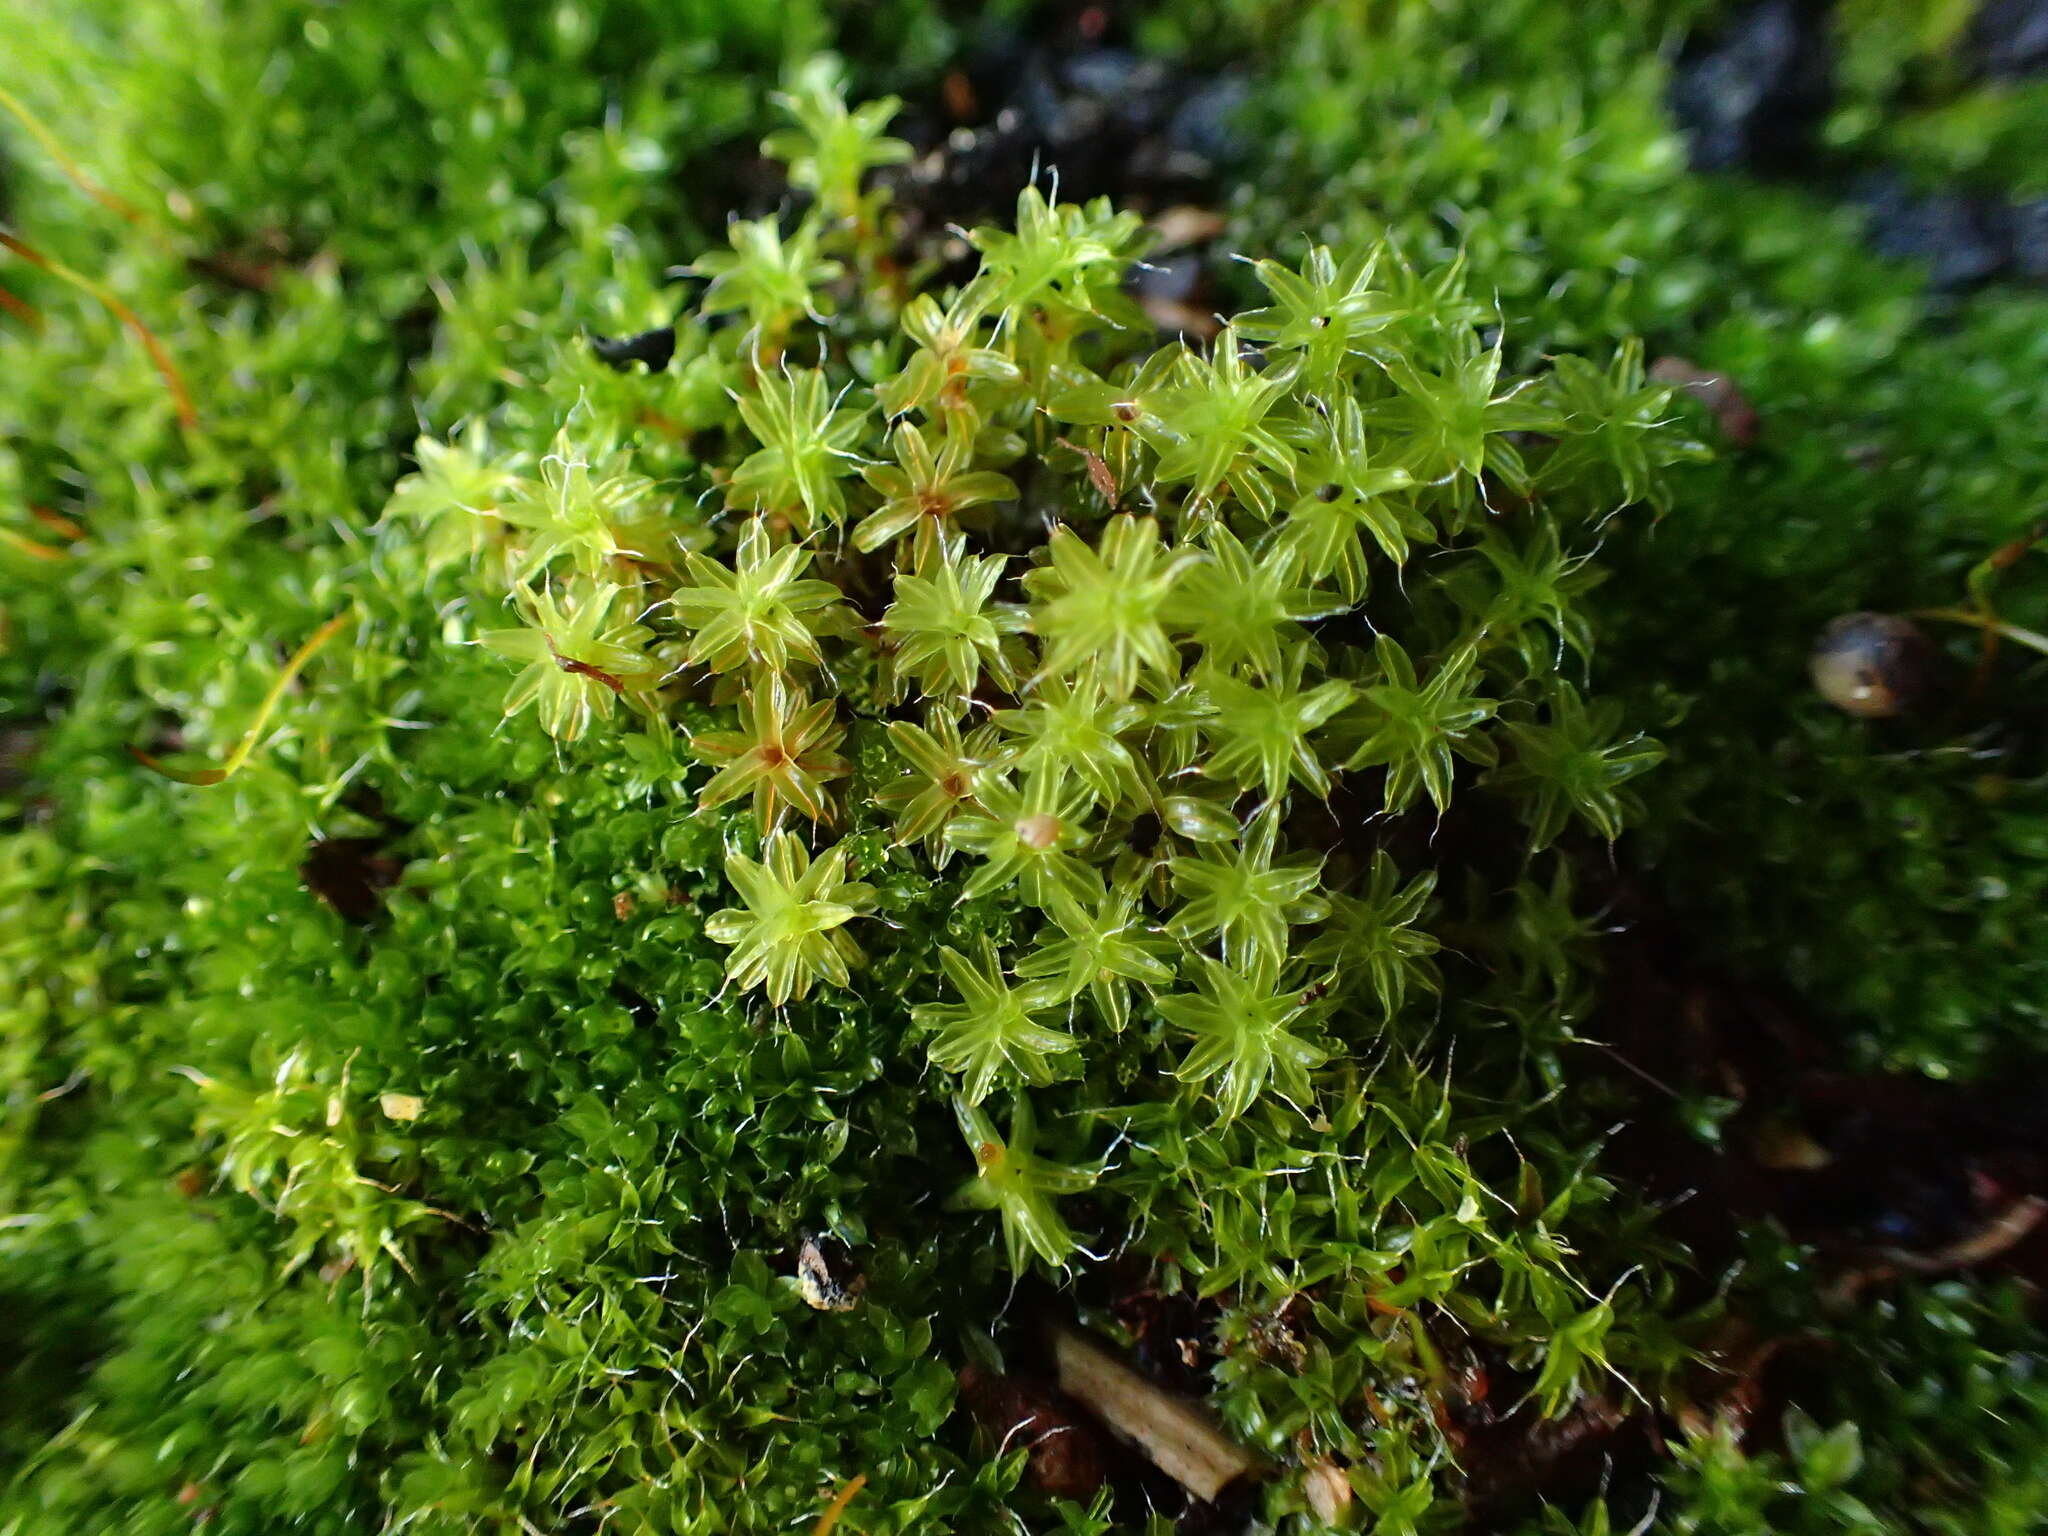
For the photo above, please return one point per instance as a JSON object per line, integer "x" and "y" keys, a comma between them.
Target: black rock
{"x": 1061, "y": 104}
{"x": 654, "y": 348}
{"x": 351, "y": 874}
{"x": 1963, "y": 239}
{"x": 1205, "y": 124}
{"x": 2030, "y": 240}
{"x": 1755, "y": 94}
{"x": 2009, "y": 38}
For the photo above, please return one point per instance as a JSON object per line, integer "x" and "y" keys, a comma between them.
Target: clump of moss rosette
{"x": 848, "y": 796}
{"x": 1096, "y": 719}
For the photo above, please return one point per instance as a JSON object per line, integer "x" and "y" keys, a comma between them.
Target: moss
{"x": 923, "y": 762}
{"x": 1878, "y": 874}
{"x": 1897, "y": 450}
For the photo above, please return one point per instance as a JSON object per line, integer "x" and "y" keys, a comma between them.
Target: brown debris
{"x": 828, "y": 1283}
{"x": 1183, "y": 225}
{"x": 1737, "y": 1396}
{"x": 1327, "y": 1489}
{"x": 1786, "y": 1148}
{"x": 1279, "y": 1337}
{"x": 1099, "y": 474}
{"x": 18, "y": 746}
{"x": 1174, "y": 317}
{"x": 1716, "y": 391}
{"x": 957, "y": 91}
{"x": 234, "y": 271}
{"x": 1884, "y": 1175}
{"x": 1067, "y": 1456}
{"x": 350, "y": 874}
{"x": 1509, "y": 1459}
{"x": 1173, "y": 1334}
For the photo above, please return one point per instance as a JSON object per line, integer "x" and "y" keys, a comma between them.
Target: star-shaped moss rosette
{"x": 807, "y": 440}
{"x": 946, "y": 631}
{"x": 760, "y": 611}
{"x": 784, "y": 755}
{"x": 923, "y": 491}
{"x": 941, "y": 771}
{"x": 1244, "y": 1024}
{"x": 584, "y": 509}
{"x": 1018, "y": 1185}
{"x": 774, "y": 282}
{"x": 996, "y": 1027}
{"x": 1106, "y": 606}
{"x": 454, "y": 495}
{"x": 790, "y": 934}
{"x": 1106, "y": 952}
{"x": 581, "y": 658}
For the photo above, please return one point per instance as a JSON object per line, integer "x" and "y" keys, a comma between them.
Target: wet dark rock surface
{"x": 1102, "y": 118}
{"x": 1963, "y": 238}
{"x": 2008, "y": 39}
{"x": 653, "y": 348}
{"x": 1753, "y": 92}
{"x": 1064, "y": 100}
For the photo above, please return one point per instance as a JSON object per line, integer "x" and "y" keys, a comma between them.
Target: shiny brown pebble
{"x": 1872, "y": 665}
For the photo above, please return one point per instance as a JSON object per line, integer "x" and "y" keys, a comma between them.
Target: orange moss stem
{"x": 247, "y": 745}
{"x": 21, "y": 309}
{"x": 29, "y": 547}
{"x": 180, "y": 396}
{"x": 837, "y": 1507}
{"x": 65, "y": 163}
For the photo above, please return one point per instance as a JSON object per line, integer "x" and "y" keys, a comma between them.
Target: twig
{"x": 2001, "y": 1233}
{"x": 1175, "y": 1434}
{"x": 2033, "y": 640}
